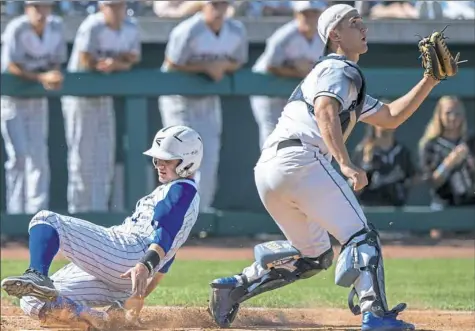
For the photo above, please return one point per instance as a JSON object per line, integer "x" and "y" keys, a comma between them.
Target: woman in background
{"x": 447, "y": 155}
{"x": 388, "y": 166}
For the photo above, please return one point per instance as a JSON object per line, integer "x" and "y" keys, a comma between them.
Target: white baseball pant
{"x": 308, "y": 199}
{"x": 24, "y": 127}
{"x": 99, "y": 256}
{"x": 205, "y": 116}
{"x": 90, "y": 135}
{"x": 266, "y": 111}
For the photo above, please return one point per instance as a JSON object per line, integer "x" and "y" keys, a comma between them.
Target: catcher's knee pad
{"x": 285, "y": 264}
{"x": 360, "y": 266}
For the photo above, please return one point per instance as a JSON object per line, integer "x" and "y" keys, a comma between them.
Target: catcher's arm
{"x": 392, "y": 115}
{"x": 438, "y": 64}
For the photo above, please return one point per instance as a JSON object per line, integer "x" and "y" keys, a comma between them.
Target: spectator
{"x": 106, "y": 41}
{"x": 429, "y": 10}
{"x": 291, "y": 51}
{"x": 176, "y": 9}
{"x": 447, "y": 155}
{"x": 459, "y": 9}
{"x": 212, "y": 44}
{"x": 12, "y": 8}
{"x": 263, "y": 8}
{"x": 387, "y": 9}
{"x": 33, "y": 48}
{"x": 388, "y": 166}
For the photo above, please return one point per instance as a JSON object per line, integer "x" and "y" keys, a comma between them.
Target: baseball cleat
{"x": 221, "y": 307}
{"x": 388, "y": 322}
{"x": 31, "y": 283}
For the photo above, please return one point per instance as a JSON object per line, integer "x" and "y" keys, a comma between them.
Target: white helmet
{"x": 178, "y": 143}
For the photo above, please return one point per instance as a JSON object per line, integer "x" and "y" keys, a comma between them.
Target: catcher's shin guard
{"x": 360, "y": 266}
{"x": 228, "y": 293}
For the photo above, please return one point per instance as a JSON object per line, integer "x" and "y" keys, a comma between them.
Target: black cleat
{"x": 31, "y": 283}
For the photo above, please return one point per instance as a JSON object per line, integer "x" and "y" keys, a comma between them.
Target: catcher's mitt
{"x": 436, "y": 58}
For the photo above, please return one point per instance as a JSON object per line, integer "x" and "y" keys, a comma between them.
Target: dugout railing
{"x": 138, "y": 85}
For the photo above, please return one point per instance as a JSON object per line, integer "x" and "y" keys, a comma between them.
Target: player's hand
{"x": 356, "y": 176}
{"x": 456, "y": 156}
{"x": 51, "y": 80}
{"x": 139, "y": 275}
{"x": 216, "y": 70}
{"x": 106, "y": 65}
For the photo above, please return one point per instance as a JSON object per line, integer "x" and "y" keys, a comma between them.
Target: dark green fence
{"x": 138, "y": 91}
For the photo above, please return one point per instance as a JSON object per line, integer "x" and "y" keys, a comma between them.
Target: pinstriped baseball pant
{"x": 24, "y": 126}
{"x": 308, "y": 199}
{"x": 98, "y": 257}
{"x": 90, "y": 136}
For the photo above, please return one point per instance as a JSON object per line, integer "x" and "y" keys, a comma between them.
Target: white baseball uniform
{"x": 90, "y": 121}
{"x": 24, "y": 121}
{"x": 283, "y": 48}
{"x": 297, "y": 184}
{"x": 100, "y": 255}
{"x": 192, "y": 41}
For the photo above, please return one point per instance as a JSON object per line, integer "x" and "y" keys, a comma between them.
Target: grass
{"x": 446, "y": 284}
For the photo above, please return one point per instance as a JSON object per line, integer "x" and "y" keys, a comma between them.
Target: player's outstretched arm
{"x": 392, "y": 115}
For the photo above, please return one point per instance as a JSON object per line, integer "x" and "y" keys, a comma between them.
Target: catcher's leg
{"x": 360, "y": 266}
{"x": 78, "y": 293}
{"x": 277, "y": 263}
{"x": 334, "y": 206}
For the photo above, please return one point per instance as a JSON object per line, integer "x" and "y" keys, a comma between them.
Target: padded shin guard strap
{"x": 278, "y": 277}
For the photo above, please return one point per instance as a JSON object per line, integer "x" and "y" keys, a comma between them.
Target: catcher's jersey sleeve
{"x": 22, "y": 45}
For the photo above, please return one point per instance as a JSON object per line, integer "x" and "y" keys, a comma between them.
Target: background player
{"x": 307, "y": 197}
{"x": 106, "y": 41}
{"x": 109, "y": 264}
{"x": 212, "y": 44}
{"x": 291, "y": 51}
{"x": 33, "y": 48}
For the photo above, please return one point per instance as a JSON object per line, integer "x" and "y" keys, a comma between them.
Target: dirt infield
{"x": 191, "y": 318}
{"x": 164, "y": 318}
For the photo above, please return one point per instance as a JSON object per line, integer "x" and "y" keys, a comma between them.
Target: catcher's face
{"x": 352, "y": 34}
{"x": 451, "y": 116}
{"x": 166, "y": 169}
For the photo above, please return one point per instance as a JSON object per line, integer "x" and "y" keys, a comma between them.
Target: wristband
{"x": 441, "y": 170}
{"x": 150, "y": 260}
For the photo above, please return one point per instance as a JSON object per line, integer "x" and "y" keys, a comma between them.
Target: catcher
{"x": 308, "y": 198}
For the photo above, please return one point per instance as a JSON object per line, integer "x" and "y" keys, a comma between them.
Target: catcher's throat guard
{"x": 285, "y": 265}
{"x": 360, "y": 266}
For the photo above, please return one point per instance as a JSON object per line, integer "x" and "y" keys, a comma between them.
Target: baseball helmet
{"x": 178, "y": 143}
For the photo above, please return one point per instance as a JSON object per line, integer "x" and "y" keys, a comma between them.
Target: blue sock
{"x": 44, "y": 245}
